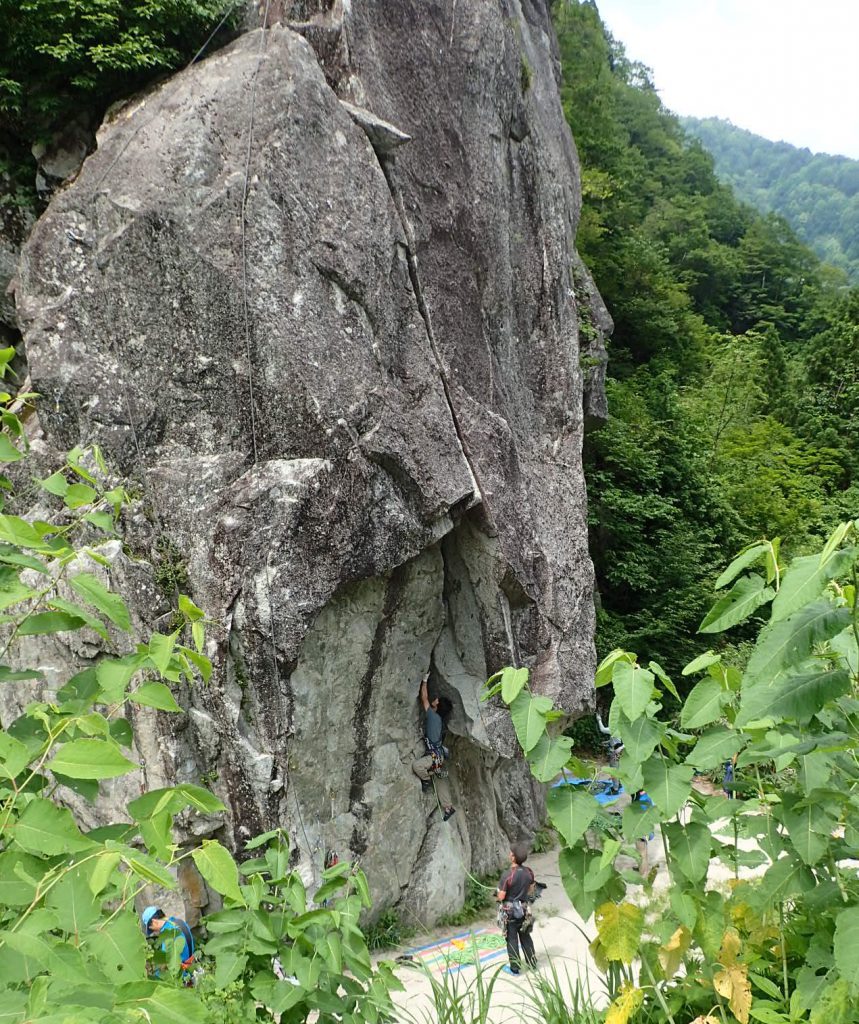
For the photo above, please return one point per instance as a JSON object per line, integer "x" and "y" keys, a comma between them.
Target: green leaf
{"x": 846, "y": 945}
{"x": 228, "y": 967}
{"x": 219, "y": 869}
{"x": 155, "y": 1002}
{"x": 8, "y": 676}
{"x": 808, "y": 825}
{"x": 11, "y": 556}
{"x": 79, "y": 494}
{"x": 703, "y": 705}
{"x": 788, "y": 642}
{"x": 161, "y": 650}
{"x": 787, "y": 877}
{"x": 76, "y": 906}
{"x": 56, "y": 483}
{"x": 114, "y": 675}
{"x": 806, "y": 578}
{"x": 570, "y": 812}
{"x": 513, "y": 681}
{"x": 549, "y": 757}
{"x": 619, "y": 926}
{"x": 746, "y": 595}
{"x": 528, "y": 714}
{"x": 149, "y": 869}
{"x": 689, "y": 846}
{"x": 49, "y": 622}
{"x": 91, "y": 759}
{"x": 94, "y": 592}
{"x": 714, "y": 747}
{"x": 605, "y": 669}
{"x": 748, "y": 556}
{"x": 663, "y": 678}
{"x": 8, "y": 451}
{"x": 48, "y": 830}
{"x": 639, "y": 821}
{"x": 836, "y": 538}
{"x": 12, "y": 589}
{"x": 14, "y": 530}
{"x": 703, "y": 661}
{"x": 14, "y": 756}
{"x": 154, "y": 695}
{"x": 668, "y": 785}
{"x": 640, "y": 737}
{"x": 633, "y": 688}
{"x": 19, "y": 875}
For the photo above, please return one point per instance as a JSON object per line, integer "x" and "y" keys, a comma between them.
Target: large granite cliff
{"x": 318, "y": 295}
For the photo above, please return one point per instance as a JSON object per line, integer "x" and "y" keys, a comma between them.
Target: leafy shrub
{"x": 785, "y": 945}
{"x": 479, "y": 898}
{"x": 388, "y": 931}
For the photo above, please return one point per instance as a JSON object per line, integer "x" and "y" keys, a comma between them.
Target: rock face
{"x": 317, "y": 294}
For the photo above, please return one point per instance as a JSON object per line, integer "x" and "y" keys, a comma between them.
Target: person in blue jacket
{"x": 156, "y": 922}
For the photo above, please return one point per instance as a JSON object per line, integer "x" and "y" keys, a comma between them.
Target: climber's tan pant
{"x": 421, "y": 767}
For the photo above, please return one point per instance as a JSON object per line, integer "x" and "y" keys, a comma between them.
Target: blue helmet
{"x": 148, "y": 914}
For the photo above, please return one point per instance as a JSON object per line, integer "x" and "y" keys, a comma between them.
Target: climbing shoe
{"x": 448, "y": 813}
{"x": 426, "y": 785}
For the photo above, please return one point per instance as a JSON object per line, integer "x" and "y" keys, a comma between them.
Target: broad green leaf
{"x": 513, "y": 681}
{"x": 585, "y": 882}
{"x": 60, "y": 604}
{"x": 19, "y": 875}
{"x": 801, "y": 697}
{"x": 93, "y": 591}
{"x": 748, "y": 556}
{"x": 91, "y": 759}
{"x": 12, "y": 590}
{"x": 714, "y": 747}
{"x": 102, "y": 871}
{"x": 74, "y": 902}
{"x": 14, "y": 530}
{"x": 202, "y": 664}
{"x": 806, "y": 578}
{"x": 690, "y": 848}
{"x": 787, "y": 877}
{"x": 836, "y": 538}
{"x": 633, "y": 688}
{"x": 639, "y": 821}
{"x": 8, "y": 451}
{"x": 14, "y": 756}
{"x": 745, "y": 597}
{"x": 549, "y": 756}
{"x": 153, "y": 1001}
{"x": 161, "y": 650}
{"x": 46, "y": 829}
{"x": 606, "y": 667}
{"x": 846, "y": 945}
{"x": 668, "y": 785}
{"x": 619, "y": 926}
{"x": 8, "y": 676}
{"x": 80, "y": 494}
{"x": 114, "y": 675}
{"x": 228, "y": 967}
{"x": 154, "y": 695}
{"x": 49, "y": 622}
{"x": 219, "y": 869}
{"x": 703, "y": 705}
{"x": 683, "y": 907}
{"x": 808, "y": 825}
{"x": 202, "y": 799}
{"x": 663, "y": 678}
{"x": 640, "y": 737}
{"x": 528, "y": 714}
{"x": 103, "y": 521}
{"x": 571, "y": 812}
{"x": 703, "y": 661}
{"x": 56, "y": 483}
{"x": 787, "y": 643}
{"x": 11, "y": 556}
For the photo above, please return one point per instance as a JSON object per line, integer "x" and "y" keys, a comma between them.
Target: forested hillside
{"x": 732, "y": 376}
{"x": 816, "y": 192}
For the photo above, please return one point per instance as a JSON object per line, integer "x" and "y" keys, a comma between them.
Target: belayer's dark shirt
{"x": 516, "y": 882}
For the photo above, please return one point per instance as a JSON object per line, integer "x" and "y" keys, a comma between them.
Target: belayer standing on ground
{"x": 514, "y": 912}
{"x": 156, "y": 922}
{"x": 429, "y": 768}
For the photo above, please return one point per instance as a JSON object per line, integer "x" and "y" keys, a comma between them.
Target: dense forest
{"x": 816, "y": 193}
{"x": 733, "y": 377}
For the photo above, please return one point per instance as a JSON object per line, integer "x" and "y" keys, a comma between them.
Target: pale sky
{"x": 783, "y": 69}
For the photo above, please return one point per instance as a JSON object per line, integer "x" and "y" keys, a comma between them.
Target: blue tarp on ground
{"x": 603, "y": 794}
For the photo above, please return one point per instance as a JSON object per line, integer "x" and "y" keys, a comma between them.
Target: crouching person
{"x": 514, "y": 911}
{"x": 429, "y": 765}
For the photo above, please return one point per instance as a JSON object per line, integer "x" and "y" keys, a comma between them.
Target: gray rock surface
{"x": 348, "y": 382}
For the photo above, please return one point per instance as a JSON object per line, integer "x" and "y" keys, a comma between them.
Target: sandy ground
{"x": 561, "y": 939}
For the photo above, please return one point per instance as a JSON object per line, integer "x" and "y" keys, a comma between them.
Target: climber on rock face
{"x": 432, "y": 755}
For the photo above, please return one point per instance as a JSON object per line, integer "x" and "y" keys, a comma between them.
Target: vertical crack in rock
{"x": 362, "y": 762}
{"x": 386, "y": 165}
